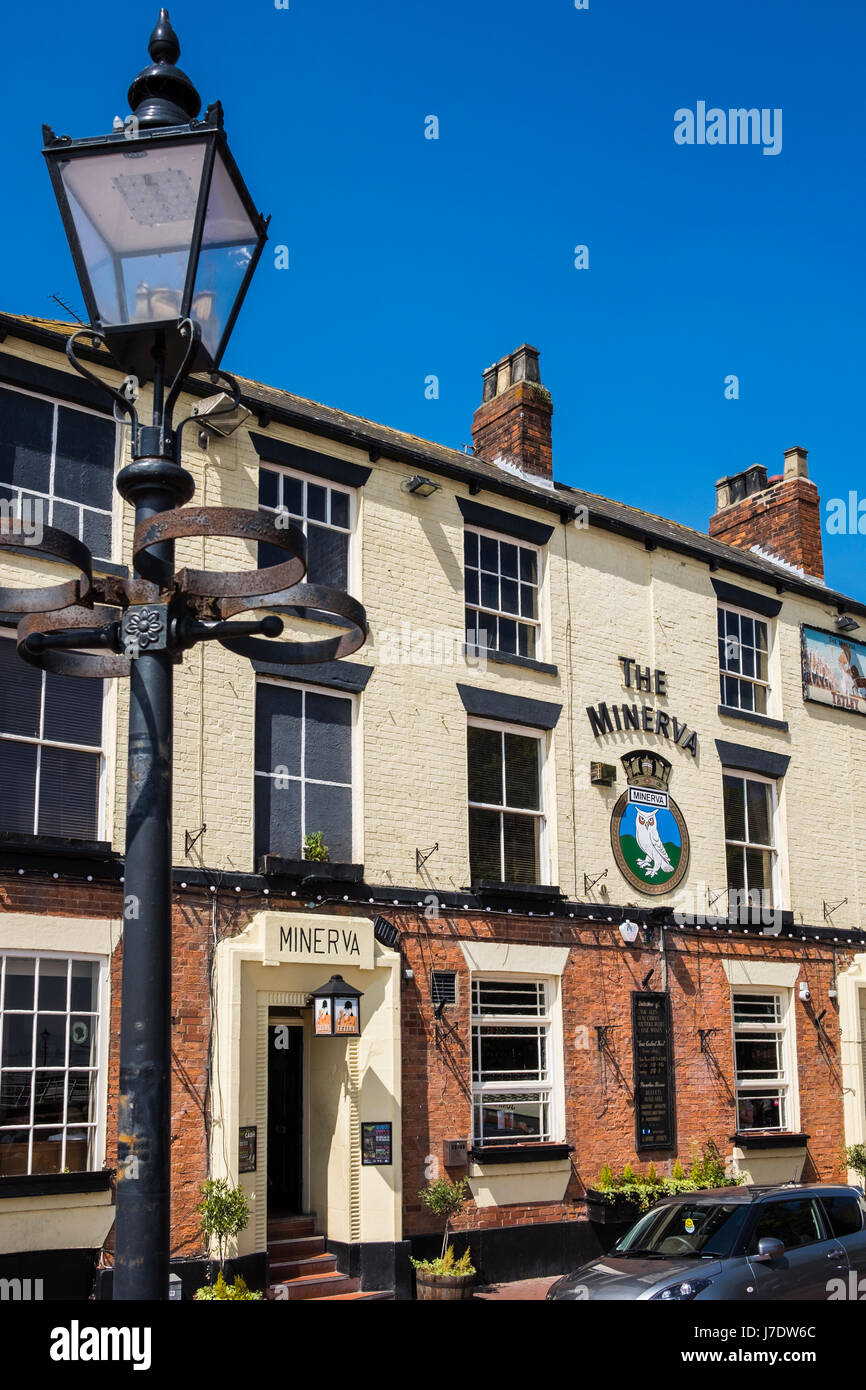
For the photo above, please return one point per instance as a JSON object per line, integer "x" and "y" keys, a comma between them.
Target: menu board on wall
{"x": 376, "y": 1143}
{"x": 247, "y": 1148}
{"x": 653, "y": 1071}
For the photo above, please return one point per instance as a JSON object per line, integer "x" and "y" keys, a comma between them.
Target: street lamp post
{"x": 165, "y": 238}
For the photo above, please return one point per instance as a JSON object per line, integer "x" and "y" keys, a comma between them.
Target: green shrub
{"x": 628, "y": 1174}
{"x": 315, "y": 847}
{"x": 224, "y": 1212}
{"x": 235, "y": 1292}
{"x": 444, "y": 1199}
{"x": 605, "y": 1179}
{"x": 855, "y": 1158}
{"x": 446, "y": 1264}
{"x": 677, "y": 1172}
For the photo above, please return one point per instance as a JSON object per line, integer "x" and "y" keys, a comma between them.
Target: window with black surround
{"x": 506, "y": 816}
{"x": 303, "y": 770}
{"x": 322, "y": 510}
{"x": 501, "y": 577}
{"x": 51, "y": 1104}
{"x": 750, "y": 815}
{"x": 744, "y": 655}
{"x": 63, "y": 458}
{"x": 51, "y": 761}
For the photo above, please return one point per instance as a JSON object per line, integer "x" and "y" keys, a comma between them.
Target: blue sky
{"x": 412, "y": 257}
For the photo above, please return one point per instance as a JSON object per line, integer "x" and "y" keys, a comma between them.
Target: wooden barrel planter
{"x": 443, "y": 1286}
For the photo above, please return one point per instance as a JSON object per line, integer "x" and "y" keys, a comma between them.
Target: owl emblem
{"x": 647, "y": 836}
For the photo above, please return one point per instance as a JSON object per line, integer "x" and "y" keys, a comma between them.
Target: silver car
{"x": 750, "y": 1243}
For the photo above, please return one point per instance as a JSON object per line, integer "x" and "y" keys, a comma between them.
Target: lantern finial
{"x": 164, "y": 46}
{"x": 162, "y": 95}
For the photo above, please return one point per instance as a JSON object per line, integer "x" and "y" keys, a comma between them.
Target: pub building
{"x": 591, "y": 892}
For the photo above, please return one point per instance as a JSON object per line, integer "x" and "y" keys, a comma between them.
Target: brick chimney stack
{"x": 513, "y": 420}
{"x": 781, "y": 514}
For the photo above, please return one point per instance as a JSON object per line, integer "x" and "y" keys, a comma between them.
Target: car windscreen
{"x": 698, "y": 1229}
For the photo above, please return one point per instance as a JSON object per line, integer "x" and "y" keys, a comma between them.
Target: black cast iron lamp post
{"x": 165, "y": 239}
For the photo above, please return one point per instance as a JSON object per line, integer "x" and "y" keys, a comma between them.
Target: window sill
{"x": 309, "y": 870}
{"x": 751, "y": 717}
{"x": 56, "y": 1184}
{"x": 510, "y": 659}
{"x": 519, "y": 892}
{"x": 520, "y": 1153}
{"x": 769, "y": 1139}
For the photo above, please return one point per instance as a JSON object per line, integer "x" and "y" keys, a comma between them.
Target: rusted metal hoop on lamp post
{"x": 57, "y": 545}
{"x": 68, "y": 662}
{"x": 237, "y": 523}
{"x": 314, "y": 598}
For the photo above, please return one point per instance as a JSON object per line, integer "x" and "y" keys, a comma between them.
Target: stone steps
{"x": 303, "y": 1270}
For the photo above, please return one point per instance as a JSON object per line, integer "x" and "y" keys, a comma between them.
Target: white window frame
{"x": 768, "y": 685}
{"x": 51, "y": 497}
{"x": 311, "y": 478}
{"x": 540, "y": 735}
{"x": 479, "y": 608}
{"x": 550, "y": 1087}
{"x": 786, "y": 1085}
{"x": 775, "y": 867}
{"x": 40, "y": 743}
{"x": 355, "y": 786}
{"x": 100, "y": 1069}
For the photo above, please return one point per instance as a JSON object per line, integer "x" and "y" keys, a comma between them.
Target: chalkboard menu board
{"x": 653, "y": 1071}
{"x": 247, "y": 1149}
{"x": 376, "y": 1143}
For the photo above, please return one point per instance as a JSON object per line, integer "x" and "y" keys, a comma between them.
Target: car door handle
{"x": 835, "y": 1254}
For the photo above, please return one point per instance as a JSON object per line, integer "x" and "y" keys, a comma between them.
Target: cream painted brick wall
{"x": 609, "y": 598}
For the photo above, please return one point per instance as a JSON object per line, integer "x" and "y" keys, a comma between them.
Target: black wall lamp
{"x": 845, "y": 623}
{"x": 336, "y": 1009}
{"x": 420, "y": 486}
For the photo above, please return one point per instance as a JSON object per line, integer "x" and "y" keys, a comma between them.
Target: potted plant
{"x": 445, "y": 1277}
{"x": 315, "y": 847}
{"x": 224, "y": 1212}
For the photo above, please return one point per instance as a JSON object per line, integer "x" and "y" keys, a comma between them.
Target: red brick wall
{"x": 786, "y": 520}
{"x": 517, "y": 426}
{"x": 597, "y": 983}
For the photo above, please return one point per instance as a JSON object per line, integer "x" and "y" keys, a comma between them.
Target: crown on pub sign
{"x": 647, "y": 769}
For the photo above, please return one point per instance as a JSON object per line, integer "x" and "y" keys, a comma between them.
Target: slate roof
{"x": 269, "y": 403}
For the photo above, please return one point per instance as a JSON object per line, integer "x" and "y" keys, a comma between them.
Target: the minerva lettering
{"x": 319, "y": 941}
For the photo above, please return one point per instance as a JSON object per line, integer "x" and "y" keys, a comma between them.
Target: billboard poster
{"x": 834, "y": 669}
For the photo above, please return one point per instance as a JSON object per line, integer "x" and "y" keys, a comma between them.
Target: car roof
{"x": 759, "y": 1192}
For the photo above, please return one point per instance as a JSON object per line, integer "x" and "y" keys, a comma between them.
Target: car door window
{"x": 794, "y": 1223}
{"x": 843, "y": 1214}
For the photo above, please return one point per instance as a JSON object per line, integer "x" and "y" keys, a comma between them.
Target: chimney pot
{"x": 795, "y": 462}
